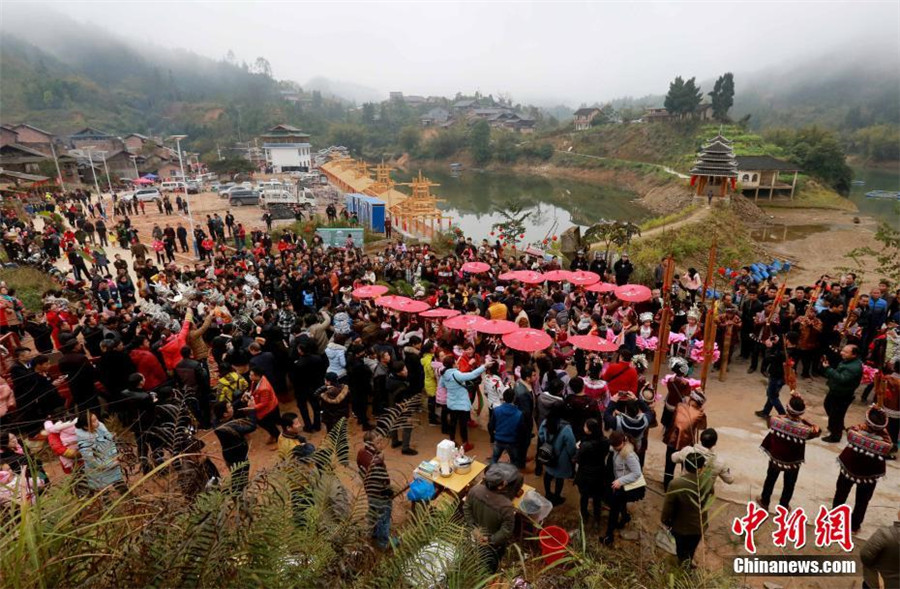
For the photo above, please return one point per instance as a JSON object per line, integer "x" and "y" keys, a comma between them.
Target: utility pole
{"x": 93, "y": 171}
{"x": 105, "y": 167}
{"x": 134, "y": 161}
{"x": 178, "y": 139}
{"x": 56, "y": 161}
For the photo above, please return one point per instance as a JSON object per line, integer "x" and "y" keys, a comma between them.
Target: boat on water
{"x": 895, "y": 194}
{"x": 456, "y": 167}
{"x": 858, "y": 182}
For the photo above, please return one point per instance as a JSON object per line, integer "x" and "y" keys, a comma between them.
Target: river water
{"x": 883, "y": 209}
{"x": 473, "y": 200}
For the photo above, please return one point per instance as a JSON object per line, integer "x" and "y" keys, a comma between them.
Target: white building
{"x": 287, "y": 149}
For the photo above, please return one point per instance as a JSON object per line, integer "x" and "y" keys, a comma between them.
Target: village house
{"x": 414, "y": 100}
{"x": 120, "y": 164}
{"x": 18, "y": 158}
{"x": 287, "y": 149}
{"x": 654, "y": 115}
{"x": 763, "y": 172}
{"x": 434, "y": 117}
{"x": 8, "y": 135}
{"x": 35, "y": 138}
{"x": 96, "y": 140}
{"x": 584, "y": 117}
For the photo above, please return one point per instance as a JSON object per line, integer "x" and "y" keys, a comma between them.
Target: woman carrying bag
{"x": 556, "y": 452}
{"x": 628, "y": 484}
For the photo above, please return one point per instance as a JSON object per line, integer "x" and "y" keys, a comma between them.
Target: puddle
{"x": 779, "y": 232}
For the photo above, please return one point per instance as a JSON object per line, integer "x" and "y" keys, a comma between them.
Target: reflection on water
{"x": 473, "y": 200}
{"x": 882, "y": 209}
{"x": 780, "y": 232}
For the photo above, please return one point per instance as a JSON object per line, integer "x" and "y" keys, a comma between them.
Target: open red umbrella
{"x": 409, "y": 305}
{"x": 496, "y": 327}
{"x": 372, "y": 291}
{"x": 528, "y": 340}
{"x": 557, "y": 275}
{"x": 464, "y": 322}
{"x": 602, "y": 287}
{"x": 583, "y": 278}
{"x": 475, "y": 267}
{"x": 593, "y": 343}
{"x": 508, "y": 275}
{"x": 634, "y": 293}
{"x": 438, "y": 313}
{"x": 388, "y": 300}
{"x": 530, "y": 277}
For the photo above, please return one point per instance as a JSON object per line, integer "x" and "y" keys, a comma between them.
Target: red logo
{"x": 833, "y": 527}
{"x": 748, "y": 525}
{"x": 790, "y": 527}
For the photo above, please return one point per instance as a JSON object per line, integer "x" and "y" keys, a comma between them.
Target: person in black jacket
{"x": 35, "y": 394}
{"x": 398, "y": 391}
{"x": 591, "y": 468}
{"x": 777, "y": 354}
{"x": 412, "y": 357}
{"x": 115, "y": 367}
{"x": 137, "y": 412}
{"x": 359, "y": 380}
{"x": 307, "y": 376}
{"x": 82, "y": 376}
{"x": 193, "y": 377}
{"x": 37, "y": 327}
{"x": 232, "y": 434}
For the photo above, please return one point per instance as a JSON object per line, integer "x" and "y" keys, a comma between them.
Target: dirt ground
{"x": 729, "y": 408}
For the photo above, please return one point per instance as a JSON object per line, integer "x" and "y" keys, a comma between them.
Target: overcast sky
{"x": 571, "y": 52}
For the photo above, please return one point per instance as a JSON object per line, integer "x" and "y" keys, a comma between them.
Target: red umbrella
{"x": 388, "y": 300}
{"x": 602, "y": 287}
{"x": 475, "y": 267}
{"x": 530, "y": 276}
{"x": 593, "y": 343}
{"x": 508, "y": 276}
{"x": 409, "y": 305}
{"x": 464, "y": 322}
{"x": 634, "y": 293}
{"x": 528, "y": 340}
{"x": 438, "y": 313}
{"x": 496, "y": 327}
{"x": 557, "y": 275}
{"x": 372, "y": 291}
{"x": 583, "y": 278}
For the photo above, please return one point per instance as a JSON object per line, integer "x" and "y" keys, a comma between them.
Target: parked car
{"x": 173, "y": 186}
{"x": 225, "y": 189}
{"x": 242, "y": 197}
{"x": 142, "y": 195}
{"x": 193, "y": 187}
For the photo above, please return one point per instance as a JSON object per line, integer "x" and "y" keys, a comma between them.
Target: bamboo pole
{"x": 664, "y": 320}
{"x": 726, "y": 349}
{"x": 709, "y": 342}
{"x": 710, "y": 271}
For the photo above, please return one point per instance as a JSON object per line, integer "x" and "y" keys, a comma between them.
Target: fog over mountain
{"x": 536, "y": 52}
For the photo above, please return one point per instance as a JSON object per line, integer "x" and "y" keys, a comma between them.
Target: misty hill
{"x": 843, "y": 90}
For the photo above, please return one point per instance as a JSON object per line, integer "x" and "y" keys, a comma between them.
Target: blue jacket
{"x": 457, "y": 395}
{"x": 506, "y": 421}
{"x": 564, "y": 449}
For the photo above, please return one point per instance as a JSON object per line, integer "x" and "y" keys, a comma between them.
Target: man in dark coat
{"x": 81, "y": 374}
{"x": 398, "y": 391}
{"x": 623, "y": 269}
{"x": 36, "y": 397}
{"x": 193, "y": 377}
{"x": 307, "y": 376}
{"x": 842, "y": 382}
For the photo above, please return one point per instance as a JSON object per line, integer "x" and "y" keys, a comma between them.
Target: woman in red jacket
{"x": 267, "y": 412}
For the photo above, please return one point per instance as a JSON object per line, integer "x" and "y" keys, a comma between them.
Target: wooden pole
{"x": 726, "y": 349}
{"x": 664, "y": 320}
{"x": 710, "y": 271}
{"x": 709, "y": 342}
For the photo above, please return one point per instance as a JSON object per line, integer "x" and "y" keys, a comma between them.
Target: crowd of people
{"x": 251, "y": 327}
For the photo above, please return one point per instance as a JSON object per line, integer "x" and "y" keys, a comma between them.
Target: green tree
{"x": 480, "y": 142}
{"x": 887, "y": 257}
{"x": 818, "y": 152}
{"x": 368, "y": 113}
{"x": 353, "y": 137}
{"x": 505, "y": 148}
{"x": 230, "y": 165}
{"x": 513, "y": 224}
{"x": 410, "y": 137}
{"x": 683, "y": 97}
{"x": 722, "y": 96}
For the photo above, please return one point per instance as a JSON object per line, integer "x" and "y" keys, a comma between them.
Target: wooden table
{"x": 458, "y": 483}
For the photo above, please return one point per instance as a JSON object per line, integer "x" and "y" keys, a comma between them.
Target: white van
{"x": 287, "y": 197}
{"x": 173, "y": 187}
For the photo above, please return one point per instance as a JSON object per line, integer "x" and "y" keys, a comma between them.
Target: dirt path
{"x": 665, "y": 169}
{"x": 695, "y": 217}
